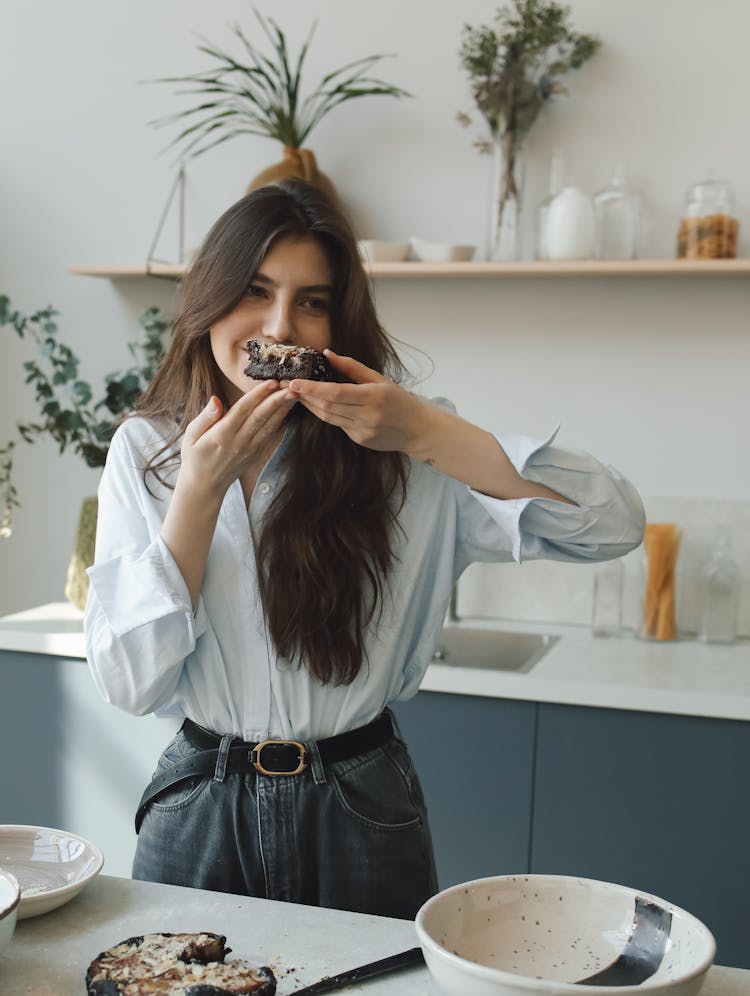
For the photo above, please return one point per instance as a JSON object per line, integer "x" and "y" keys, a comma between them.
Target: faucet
{"x": 452, "y": 615}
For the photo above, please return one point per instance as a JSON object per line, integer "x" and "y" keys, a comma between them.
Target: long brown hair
{"x": 327, "y": 541}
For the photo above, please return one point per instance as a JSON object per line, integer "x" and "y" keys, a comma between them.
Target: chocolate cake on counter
{"x": 189, "y": 964}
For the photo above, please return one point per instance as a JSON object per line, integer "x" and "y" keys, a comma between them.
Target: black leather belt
{"x": 268, "y": 757}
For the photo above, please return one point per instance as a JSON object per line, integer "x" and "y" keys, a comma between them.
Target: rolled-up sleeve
{"x": 139, "y": 623}
{"x": 607, "y": 521}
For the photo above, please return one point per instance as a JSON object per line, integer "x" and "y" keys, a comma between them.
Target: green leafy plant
{"x": 68, "y": 411}
{"x": 514, "y": 68}
{"x": 257, "y": 94}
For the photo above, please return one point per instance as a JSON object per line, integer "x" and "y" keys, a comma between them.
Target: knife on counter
{"x": 405, "y": 959}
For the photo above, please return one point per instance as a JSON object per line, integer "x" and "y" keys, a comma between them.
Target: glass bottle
{"x": 556, "y": 182}
{"x": 720, "y": 593}
{"x": 606, "y": 619}
{"x": 617, "y": 211}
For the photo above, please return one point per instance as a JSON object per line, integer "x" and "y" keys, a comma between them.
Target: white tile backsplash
{"x": 547, "y": 591}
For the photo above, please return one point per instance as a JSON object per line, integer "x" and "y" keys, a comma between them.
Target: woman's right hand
{"x": 218, "y": 447}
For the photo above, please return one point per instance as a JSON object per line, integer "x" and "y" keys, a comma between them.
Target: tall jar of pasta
{"x": 708, "y": 227}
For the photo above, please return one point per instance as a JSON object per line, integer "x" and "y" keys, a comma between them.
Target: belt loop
{"x": 394, "y": 724}
{"x": 221, "y": 760}
{"x": 316, "y": 764}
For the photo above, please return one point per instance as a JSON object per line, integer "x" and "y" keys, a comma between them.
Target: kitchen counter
{"x": 49, "y": 954}
{"x": 683, "y": 677}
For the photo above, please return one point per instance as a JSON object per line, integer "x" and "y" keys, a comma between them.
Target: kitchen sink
{"x": 465, "y": 646}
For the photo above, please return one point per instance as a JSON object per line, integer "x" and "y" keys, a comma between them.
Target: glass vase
{"x": 506, "y": 199}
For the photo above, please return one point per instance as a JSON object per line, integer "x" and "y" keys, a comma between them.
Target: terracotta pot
{"x": 298, "y": 163}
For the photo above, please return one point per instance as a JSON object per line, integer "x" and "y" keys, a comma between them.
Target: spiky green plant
{"x": 68, "y": 412}
{"x": 257, "y": 94}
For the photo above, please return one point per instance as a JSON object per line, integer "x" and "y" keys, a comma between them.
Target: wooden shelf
{"x": 420, "y": 271}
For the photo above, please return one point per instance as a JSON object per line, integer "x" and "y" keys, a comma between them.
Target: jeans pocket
{"x": 380, "y": 790}
{"x": 182, "y": 793}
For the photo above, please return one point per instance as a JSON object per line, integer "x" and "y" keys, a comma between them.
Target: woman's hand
{"x": 375, "y": 412}
{"x": 372, "y": 410}
{"x": 219, "y": 447}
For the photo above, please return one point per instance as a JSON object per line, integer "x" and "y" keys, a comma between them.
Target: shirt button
{"x": 264, "y": 488}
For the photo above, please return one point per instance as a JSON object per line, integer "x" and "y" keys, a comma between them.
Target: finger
{"x": 341, "y": 417}
{"x": 331, "y": 395}
{"x": 204, "y": 420}
{"x": 353, "y": 369}
{"x": 265, "y": 419}
{"x": 248, "y": 402}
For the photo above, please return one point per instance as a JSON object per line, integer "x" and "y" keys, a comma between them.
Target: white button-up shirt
{"x": 148, "y": 651}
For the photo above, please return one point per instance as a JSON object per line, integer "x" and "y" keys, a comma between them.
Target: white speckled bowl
{"x": 377, "y": 251}
{"x": 518, "y": 935}
{"x": 10, "y": 896}
{"x": 440, "y": 252}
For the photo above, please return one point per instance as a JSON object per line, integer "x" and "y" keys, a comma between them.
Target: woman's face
{"x": 288, "y": 302}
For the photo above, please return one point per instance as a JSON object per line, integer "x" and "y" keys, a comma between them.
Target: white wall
{"x": 651, "y": 374}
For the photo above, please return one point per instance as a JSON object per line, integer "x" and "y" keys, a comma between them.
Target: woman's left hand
{"x": 372, "y": 410}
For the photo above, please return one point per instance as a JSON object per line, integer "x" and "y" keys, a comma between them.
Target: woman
{"x": 274, "y": 562}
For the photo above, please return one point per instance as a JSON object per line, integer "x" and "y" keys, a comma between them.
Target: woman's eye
{"x": 255, "y": 290}
{"x": 316, "y": 304}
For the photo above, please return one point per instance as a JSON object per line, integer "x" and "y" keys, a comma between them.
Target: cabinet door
{"x": 655, "y": 802}
{"x": 32, "y": 723}
{"x": 474, "y": 757}
{"x": 71, "y": 761}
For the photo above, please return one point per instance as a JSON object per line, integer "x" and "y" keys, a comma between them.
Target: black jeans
{"x": 352, "y": 835}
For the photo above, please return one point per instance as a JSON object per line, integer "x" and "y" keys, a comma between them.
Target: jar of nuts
{"x": 708, "y": 228}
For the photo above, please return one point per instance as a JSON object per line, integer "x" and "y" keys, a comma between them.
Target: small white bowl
{"x": 51, "y": 866}
{"x": 440, "y": 252}
{"x": 523, "y": 935}
{"x": 10, "y": 896}
{"x": 375, "y": 251}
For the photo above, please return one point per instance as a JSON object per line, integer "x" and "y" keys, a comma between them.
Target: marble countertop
{"x": 682, "y": 677}
{"x": 49, "y": 954}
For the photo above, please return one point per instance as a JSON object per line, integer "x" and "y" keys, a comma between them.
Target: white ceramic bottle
{"x": 556, "y": 182}
{"x": 570, "y": 225}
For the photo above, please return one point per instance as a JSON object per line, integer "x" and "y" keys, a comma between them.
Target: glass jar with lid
{"x": 708, "y": 227}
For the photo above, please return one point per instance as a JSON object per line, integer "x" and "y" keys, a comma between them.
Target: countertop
{"x": 49, "y": 954}
{"x": 682, "y": 677}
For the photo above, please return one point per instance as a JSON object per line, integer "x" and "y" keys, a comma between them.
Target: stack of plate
{"x": 51, "y": 866}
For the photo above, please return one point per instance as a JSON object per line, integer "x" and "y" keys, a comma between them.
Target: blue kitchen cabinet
{"x": 656, "y": 802}
{"x": 475, "y": 758}
{"x": 70, "y": 761}
{"x": 32, "y": 723}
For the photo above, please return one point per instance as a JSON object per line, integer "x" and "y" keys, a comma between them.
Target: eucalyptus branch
{"x": 69, "y": 414}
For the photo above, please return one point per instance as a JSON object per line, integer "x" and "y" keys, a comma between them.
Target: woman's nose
{"x": 279, "y": 323}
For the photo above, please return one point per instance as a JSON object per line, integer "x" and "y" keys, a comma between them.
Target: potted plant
{"x": 514, "y": 69}
{"x": 258, "y": 94}
{"x": 70, "y": 415}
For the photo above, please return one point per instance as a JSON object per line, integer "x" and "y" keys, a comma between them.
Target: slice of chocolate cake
{"x": 272, "y": 361}
{"x": 189, "y": 964}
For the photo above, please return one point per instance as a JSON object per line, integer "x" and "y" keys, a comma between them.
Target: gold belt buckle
{"x": 257, "y": 752}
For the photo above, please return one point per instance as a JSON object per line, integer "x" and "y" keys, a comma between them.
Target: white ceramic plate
{"x": 51, "y": 866}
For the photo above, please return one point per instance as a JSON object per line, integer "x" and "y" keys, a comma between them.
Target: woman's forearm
{"x": 188, "y": 529}
{"x": 462, "y": 450}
